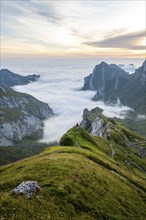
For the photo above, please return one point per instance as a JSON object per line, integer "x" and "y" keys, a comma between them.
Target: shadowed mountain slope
{"x": 113, "y": 83}
{"x": 9, "y": 79}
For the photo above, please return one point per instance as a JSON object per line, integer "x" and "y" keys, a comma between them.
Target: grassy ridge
{"x": 120, "y": 138}
{"x": 77, "y": 182}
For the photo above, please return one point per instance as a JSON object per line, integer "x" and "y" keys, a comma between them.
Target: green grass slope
{"x": 136, "y": 125}
{"x": 78, "y": 182}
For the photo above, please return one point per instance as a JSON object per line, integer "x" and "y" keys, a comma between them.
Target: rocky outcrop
{"x": 10, "y": 79}
{"x": 87, "y": 120}
{"x": 112, "y": 83}
{"x": 95, "y": 123}
{"x": 22, "y": 116}
{"x": 98, "y": 125}
{"x": 27, "y": 188}
{"x": 13, "y": 132}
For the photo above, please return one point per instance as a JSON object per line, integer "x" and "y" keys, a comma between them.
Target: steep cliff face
{"x": 112, "y": 83}
{"x": 10, "y": 79}
{"x": 97, "y": 124}
{"x": 21, "y": 116}
{"x": 105, "y": 77}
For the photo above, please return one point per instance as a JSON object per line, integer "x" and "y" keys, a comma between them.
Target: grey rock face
{"x": 15, "y": 131}
{"x": 87, "y": 81}
{"x": 21, "y": 116}
{"x": 103, "y": 73}
{"x": 27, "y": 188}
{"x": 100, "y": 128}
{"x": 10, "y": 79}
{"x": 95, "y": 124}
{"x": 103, "y": 78}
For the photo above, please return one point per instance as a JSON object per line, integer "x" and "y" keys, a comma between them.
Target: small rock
{"x": 27, "y": 188}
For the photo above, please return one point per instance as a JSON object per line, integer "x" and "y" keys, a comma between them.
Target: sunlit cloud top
{"x": 73, "y": 28}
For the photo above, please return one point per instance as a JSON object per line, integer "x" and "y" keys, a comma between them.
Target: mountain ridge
{"x": 11, "y": 79}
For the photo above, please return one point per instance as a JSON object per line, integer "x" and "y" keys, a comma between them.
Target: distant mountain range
{"x": 10, "y": 79}
{"x": 21, "y": 114}
{"x": 113, "y": 83}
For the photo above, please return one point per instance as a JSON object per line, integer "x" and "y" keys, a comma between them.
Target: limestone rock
{"x": 21, "y": 116}
{"x": 27, "y": 188}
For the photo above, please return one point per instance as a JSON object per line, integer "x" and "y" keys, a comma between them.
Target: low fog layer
{"x": 130, "y": 68}
{"x": 61, "y": 90}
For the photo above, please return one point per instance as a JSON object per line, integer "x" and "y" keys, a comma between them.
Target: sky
{"x": 79, "y": 28}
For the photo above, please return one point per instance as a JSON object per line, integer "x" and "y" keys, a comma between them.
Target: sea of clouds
{"x": 60, "y": 86}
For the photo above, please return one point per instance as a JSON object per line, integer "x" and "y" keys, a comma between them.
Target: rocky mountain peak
{"x": 103, "y": 64}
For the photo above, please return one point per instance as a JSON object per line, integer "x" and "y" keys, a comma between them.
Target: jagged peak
{"x": 112, "y": 65}
{"x": 85, "y": 112}
{"x": 103, "y": 63}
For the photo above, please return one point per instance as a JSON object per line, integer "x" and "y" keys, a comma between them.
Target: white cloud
{"x": 59, "y": 86}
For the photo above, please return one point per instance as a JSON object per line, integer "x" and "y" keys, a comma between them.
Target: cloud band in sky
{"x": 127, "y": 41}
{"x": 72, "y": 28}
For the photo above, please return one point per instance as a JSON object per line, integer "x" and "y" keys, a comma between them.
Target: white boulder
{"x": 27, "y": 188}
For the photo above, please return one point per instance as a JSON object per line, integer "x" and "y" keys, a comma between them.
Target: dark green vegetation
{"x": 126, "y": 146}
{"x": 78, "y": 181}
{"x": 134, "y": 124}
{"x": 10, "y": 115}
{"x": 26, "y": 148}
